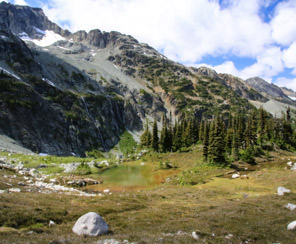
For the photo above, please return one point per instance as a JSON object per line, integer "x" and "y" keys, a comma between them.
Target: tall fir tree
{"x": 155, "y": 139}
{"x": 217, "y": 142}
{"x": 205, "y": 150}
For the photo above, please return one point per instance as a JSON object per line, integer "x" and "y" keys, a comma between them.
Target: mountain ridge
{"x": 98, "y": 84}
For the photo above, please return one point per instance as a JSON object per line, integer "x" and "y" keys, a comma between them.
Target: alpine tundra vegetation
{"x": 103, "y": 139}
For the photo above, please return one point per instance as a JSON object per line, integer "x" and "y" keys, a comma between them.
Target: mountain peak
{"x": 28, "y": 21}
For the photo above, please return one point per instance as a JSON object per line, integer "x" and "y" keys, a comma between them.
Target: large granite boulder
{"x": 90, "y": 224}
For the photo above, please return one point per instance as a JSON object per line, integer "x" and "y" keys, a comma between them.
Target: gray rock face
{"x": 263, "y": 86}
{"x": 20, "y": 19}
{"x": 90, "y": 224}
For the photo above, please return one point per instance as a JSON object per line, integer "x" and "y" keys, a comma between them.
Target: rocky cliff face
{"x": 269, "y": 89}
{"x": 24, "y": 19}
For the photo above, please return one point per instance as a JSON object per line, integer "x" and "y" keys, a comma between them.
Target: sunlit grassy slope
{"x": 152, "y": 203}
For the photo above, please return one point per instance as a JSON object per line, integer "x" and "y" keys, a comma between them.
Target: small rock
{"x": 195, "y": 235}
{"x": 290, "y": 163}
{"x": 14, "y": 190}
{"x": 229, "y": 236}
{"x": 51, "y": 223}
{"x": 21, "y": 184}
{"x": 142, "y": 164}
{"x": 41, "y": 166}
{"x": 293, "y": 167}
{"x": 292, "y": 226}
{"x": 90, "y": 224}
{"x": 53, "y": 180}
{"x": 2, "y": 191}
{"x": 290, "y": 206}
{"x": 282, "y": 190}
{"x": 234, "y": 176}
{"x": 109, "y": 241}
{"x": 106, "y": 190}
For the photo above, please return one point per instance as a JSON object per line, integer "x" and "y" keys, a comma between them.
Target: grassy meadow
{"x": 161, "y": 198}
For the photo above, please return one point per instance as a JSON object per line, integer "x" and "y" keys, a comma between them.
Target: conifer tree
{"x": 201, "y": 131}
{"x": 145, "y": 138}
{"x": 155, "y": 137}
{"x": 235, "y": 146}
{"x": 206, "y": 142}
{"x": 177, "y": 140}
{"x": 217, "y": 142}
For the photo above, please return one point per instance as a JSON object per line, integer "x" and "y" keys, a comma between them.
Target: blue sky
{"x": 246, "y": 38}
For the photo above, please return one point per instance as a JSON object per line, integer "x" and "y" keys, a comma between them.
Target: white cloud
{"x": 268, "y": 64}
{"x": 283, "y": 23}
{"x": 284, "y": 82}
{"x": 185, "y": 30}
{"x": 20, "y": 2}
{"x": 289, "y": 57}
{"x": 227, "y": 67}
{"x": 188, "y": 30}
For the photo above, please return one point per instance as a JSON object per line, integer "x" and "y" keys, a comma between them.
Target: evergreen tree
{"x": 228, "y": 140}
{"x": 235, "y": 146}
{"x": 155, "y": 137}
{"x": 145, "y": 138}
{"x": 201, "y": 131}
{"x": 177, "y": 140}
{"x": 206, "y": 142}
{"x": 217, "y": 142}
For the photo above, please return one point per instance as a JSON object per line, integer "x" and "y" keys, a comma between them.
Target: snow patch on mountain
{"x": 24, "y": 36}
{"x": 293, "y": 98}
{"x": 48, "y": 39}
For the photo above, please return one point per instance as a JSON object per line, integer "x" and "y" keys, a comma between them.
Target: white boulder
{"x": 290, "y": 206}
{"x": 234, "y": 176}
{"x": 282, "y": 190}
{"x": 290, "y": 163}
{"x": 90, "y": 224}
{"x": 195, "y": 236}
{"x": 292, "y": 226}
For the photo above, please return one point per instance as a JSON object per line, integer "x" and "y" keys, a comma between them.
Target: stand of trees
{"x": 240, "y": 137}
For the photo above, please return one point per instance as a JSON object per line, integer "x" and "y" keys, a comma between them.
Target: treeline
{"x": 239, "y": 137}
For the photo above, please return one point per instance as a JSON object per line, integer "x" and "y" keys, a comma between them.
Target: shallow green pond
{"x": 126, "y": 175}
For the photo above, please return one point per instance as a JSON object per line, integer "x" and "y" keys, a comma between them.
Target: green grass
{"x": 248, "y": 209}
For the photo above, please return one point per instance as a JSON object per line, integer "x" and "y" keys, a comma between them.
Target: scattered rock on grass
{"x": 290, "y": 206}
{"x": 90, "y": 224}
{"x": 282, "y": 190}
{"x": 234, "y": 176}
{"x": 195, "y": 236}
{"x": 292, "y": 226}
{"x": 229, "y": 236}
{"x": 14, "y": 190}
{"x": 51, "y": 223}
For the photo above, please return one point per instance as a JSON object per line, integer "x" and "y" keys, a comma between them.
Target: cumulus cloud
{"x": 268, "y": 64}
{"x": 188, "y": 30}
{"x": 185, "y": 30}
{"x": 283, "y": 23}
{"x": 285, "y": 82}
{"x": 20, "y": 2}
{"x": 289, "y": 57}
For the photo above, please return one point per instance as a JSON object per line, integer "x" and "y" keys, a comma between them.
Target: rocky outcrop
{"x": 19, "y": 19}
